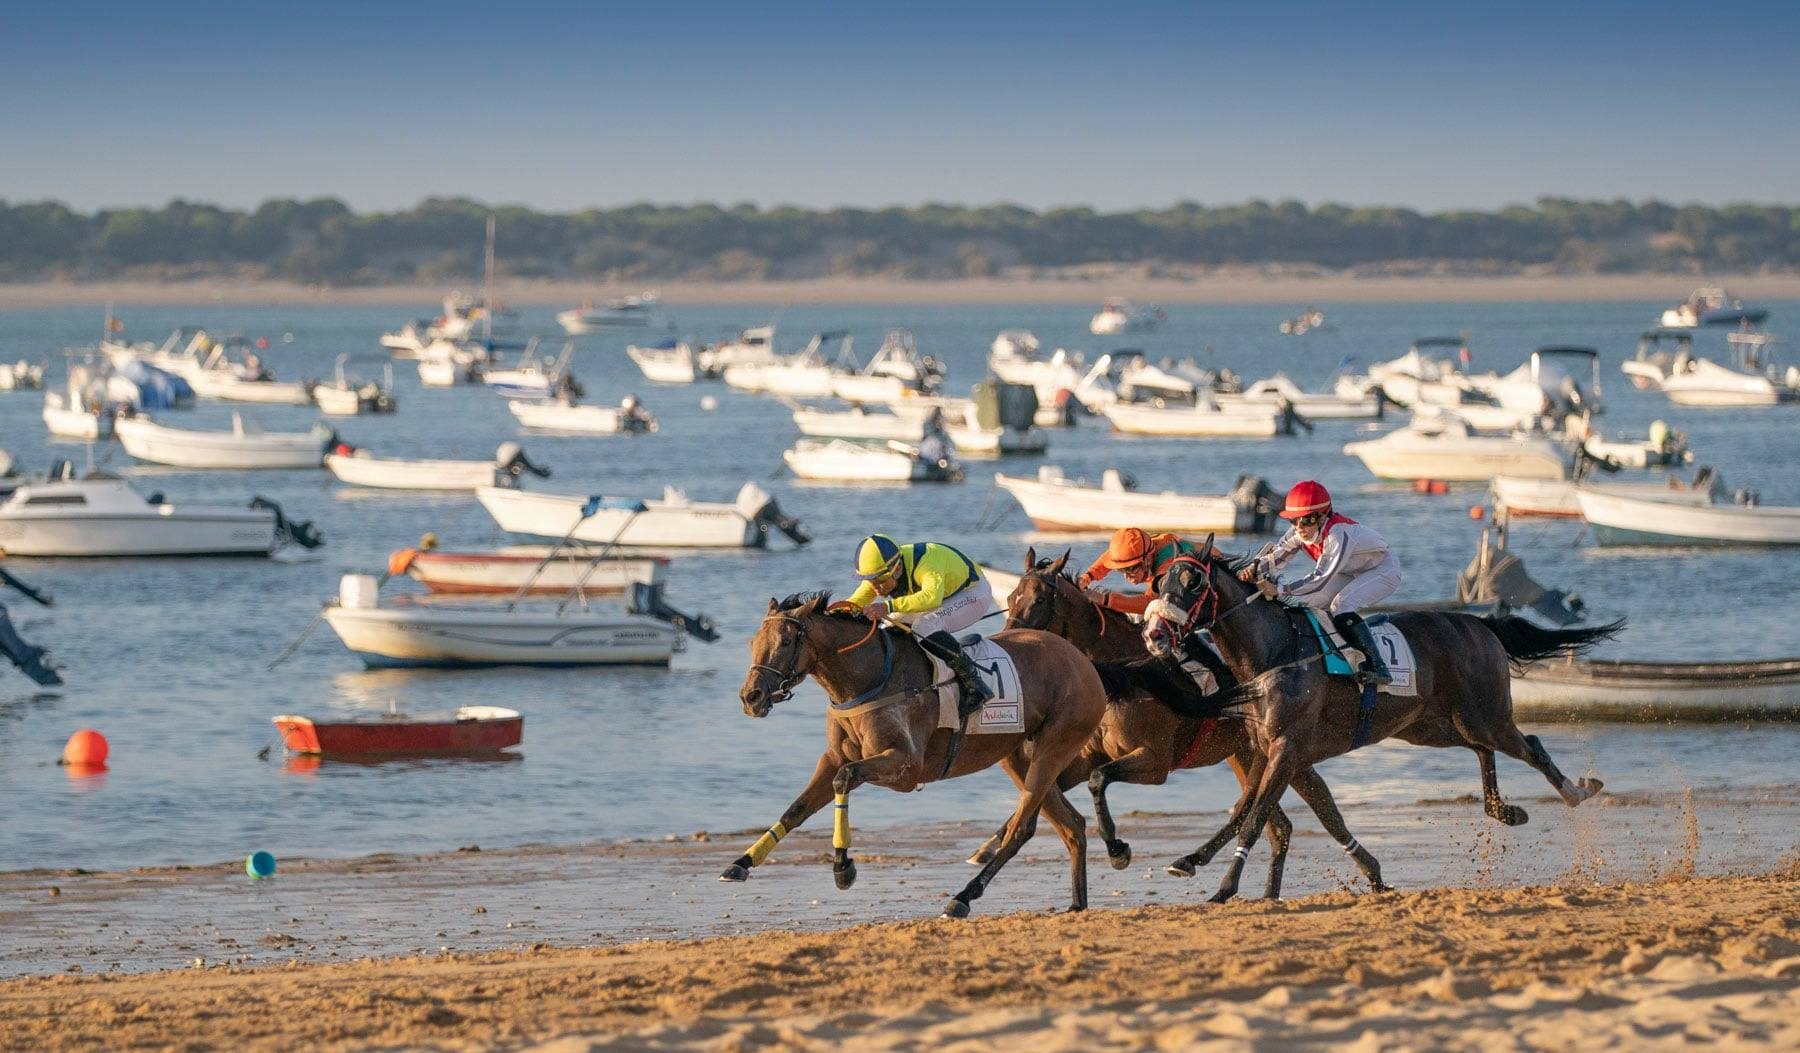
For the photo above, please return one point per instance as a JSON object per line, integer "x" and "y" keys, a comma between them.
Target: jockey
{"x": 1174, "y": 570}
{"x": 1353, "y": 567}
{"x": 932, "y": 589}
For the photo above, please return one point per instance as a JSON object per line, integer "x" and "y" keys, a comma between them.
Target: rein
{"x": 788, "y": 679}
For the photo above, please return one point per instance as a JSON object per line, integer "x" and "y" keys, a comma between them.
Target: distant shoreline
{"x": 1232, "y": 288}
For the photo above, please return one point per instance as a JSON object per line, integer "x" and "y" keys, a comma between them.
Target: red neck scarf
{"x": 1324, "y": 532}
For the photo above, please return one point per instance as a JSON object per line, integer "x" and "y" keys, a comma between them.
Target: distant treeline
{"x": 323, "y": 241}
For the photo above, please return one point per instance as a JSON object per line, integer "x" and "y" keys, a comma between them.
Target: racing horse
{"x": 882, "y": 728}
{"x": 1141, "y": 741}
{"x": 1303, "y": 715}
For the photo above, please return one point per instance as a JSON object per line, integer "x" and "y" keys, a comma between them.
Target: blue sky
{"x": 563, "y": 106}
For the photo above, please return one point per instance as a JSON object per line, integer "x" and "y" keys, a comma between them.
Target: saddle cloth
{"x": 1342, "y": 659}
{"x": 1004, "y": 713}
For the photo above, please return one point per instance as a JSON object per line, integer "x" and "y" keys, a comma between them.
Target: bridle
{"x": 788, "y": 680}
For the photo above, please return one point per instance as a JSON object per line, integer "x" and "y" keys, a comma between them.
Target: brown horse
{"x": 1142, "y": 741}
{"x": 1304, "y": 716}
{"x": 882, "y": 728}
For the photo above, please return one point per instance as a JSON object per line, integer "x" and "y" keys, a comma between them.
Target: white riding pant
{"x": 954, "y": 614}
{"x": 1347, "y": 593}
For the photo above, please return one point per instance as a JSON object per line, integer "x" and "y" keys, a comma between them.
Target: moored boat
{"x": 1711, "y": 305}
{"x": 363, "y": 468}
{"x": 469, "y": 731}
{"x": 669, "y": 362}
{"x": 245, "y": 446}
{"x": 1279, "y": 390}
{"x": 1620, "y": 519}
{"x": 628, "y": 312}
{"x": 1555, "y": 498}
{"x": 101, "y": 515}
{"x": 562, "y": 415}
{"x": 1054, "y": 502}
{"x": 850, "y": 462}
{"x": 1583, "y": 689}
{"x": 1119, "y": 316}
{"x": 344, "y": 396}
{"x": 673, "y": 522}
{"x": 1447, "y": 449}
{"x": 1702, "y": 382}
{"x": 1207, "y": 419}
{"x": 531, "y": 567}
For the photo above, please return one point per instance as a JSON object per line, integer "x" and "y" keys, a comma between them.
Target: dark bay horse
{"x": 883, "y": 729}
{"x": 1142, "y": 741}
{"x": 1304, "y": 716}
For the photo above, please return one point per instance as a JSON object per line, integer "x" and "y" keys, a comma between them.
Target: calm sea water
{"x": 169, "y": 657}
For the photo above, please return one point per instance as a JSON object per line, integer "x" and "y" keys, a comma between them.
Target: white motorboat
{"x": 998, "y": 442}
{"x": 1664, "y": 447}
{"x": 532, "y": 377}
{"x": 1119, "y": 316}
{"x": 343, "y": 396}
{"x": 850, "y": 462}
{"x": 22, "y": 376}
{"x": 180, "y": 353}
{"x": 245, "y": 446}
{"x": 1402, "y": 379}
{"x": 1057, "y": 503}
{"x": 1622, "y": 519}
{"x": 102, "y": 516}
{"x": 1445, "y": 448}
{"x": 456, "y": 323}
{"x": 1207, "y": 419}
{"x": 1589, "y": 689}
{"x": 805, "y": 375}
{"x": 754, "y": 346}
{"x": 80, "y": 410}
{"x": 630, "y": 312}
{"x": 858, "y": 423}
{"x": 967, "y": 433}
{"x": 674, "y": 522}
{"x": 1711, "y": 306}
{"x": 1169, "y": 384}
{"x": 559, "y": 415}
{"x": 1556, "y": 381}
{"x": 427, "y": 634}
{"x": 362, "y": 468}
{"x": 1555, "y": 498}
{"x": 1019, "y": 345}
{"x": 232, "y": 371}
{"x": 1654, "y": 361}
{"x": 670, "y": 362}
{"x": 896, "y": 370}
{"x": 447, "y": 363}
{"x": 536, "y": 569}
{"x": 1278, "y": 390}
{"x": 1757, "y": 382}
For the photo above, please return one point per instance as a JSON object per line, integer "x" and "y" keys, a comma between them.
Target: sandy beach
{"x": 1236, "y": 286}
{"x": 1632, "y": 966}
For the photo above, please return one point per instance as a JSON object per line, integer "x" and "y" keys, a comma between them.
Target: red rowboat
{"x": 470, "y": 730}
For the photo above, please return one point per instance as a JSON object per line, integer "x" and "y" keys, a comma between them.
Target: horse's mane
{"x": 797, "y": 600}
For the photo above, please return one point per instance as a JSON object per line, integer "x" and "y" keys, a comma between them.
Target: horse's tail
{"x": 1170, "y": 685}
{"x": 1526, "y": 643}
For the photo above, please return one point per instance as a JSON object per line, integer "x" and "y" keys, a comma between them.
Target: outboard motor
{"x": 755, "y": 504}
{"x": 647, "y": 599}
{"x": 512, "y": 460}
{"x": 287, "y": 531}
{"x": 1254, "y": 493}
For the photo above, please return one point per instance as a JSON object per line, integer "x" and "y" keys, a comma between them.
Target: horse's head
{"x": 1034, "y": 599}
{"x": 780, "y": 654}
{"x": 1221, "y": 594}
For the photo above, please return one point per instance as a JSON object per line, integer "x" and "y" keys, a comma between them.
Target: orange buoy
{"x": 1477, "y": 512}
{"x": 85, "y": 749}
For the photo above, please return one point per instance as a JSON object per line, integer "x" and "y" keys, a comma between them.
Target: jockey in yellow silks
{"x": 932, "y": 589}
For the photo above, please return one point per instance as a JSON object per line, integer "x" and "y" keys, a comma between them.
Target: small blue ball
{"x": 260, "y": 865}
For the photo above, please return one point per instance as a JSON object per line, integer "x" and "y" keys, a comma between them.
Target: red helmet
{"x": 1305, "y": 499}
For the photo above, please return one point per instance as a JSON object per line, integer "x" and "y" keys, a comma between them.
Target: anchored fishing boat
{"x": 1447, "y": 448}
{"x": 532, "y": 377}
{"x": 630, "y": 312}
{"x": 805, "y": 375}
{"x": 1711, "y": 305}
{"x": 850, "y": 462}
{"x": 1658, "y": 353}
{"x": 1600, "y": 689}
{"x": 343, "y": 396}
{"x": 1556, "y": 498}
{"x": 668, "y": 362}
{"x": 100, "y": 515}
{"x": 1404, "y": 381}
{"x": 753, "y": 346}
{"x": 1205, "y": 419}
{"x": 673, "y": 522}
{"x": 245, "y": 446}
{"x": 1703, "y": 382}
{"x": 22, "y": 376}
{"x": 1054, "y": 502}
{"x": 570, "y": 417}
{"x": 362, "y": 468}
{"x": 896, "y": 370}
{"x": 1278, "y": 390}
{"x": 535, "y": 569}
{"x": 470, "y": 731}
{"x": 1624, "y": 519}
{"x": 80, "y": 410}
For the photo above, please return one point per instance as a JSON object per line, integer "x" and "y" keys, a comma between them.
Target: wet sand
{"x": 1635, "y": 922}
{"x": 1236, "y": 285}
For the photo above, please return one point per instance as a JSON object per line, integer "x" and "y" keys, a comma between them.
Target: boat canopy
{"x": 1438, "y": 341}
{"x": 156, "y": 389}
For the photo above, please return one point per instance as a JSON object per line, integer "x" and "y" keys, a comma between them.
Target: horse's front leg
{"x": 1278, "y": 770}
{"x": 890, "y": 765}
{"x": 1199, "y": 857}
{"x": 816, "y": 795}
{"x": 1140, "y": 766}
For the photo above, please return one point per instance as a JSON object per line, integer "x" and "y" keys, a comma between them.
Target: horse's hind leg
{"x": 1073, "y": 828}
{"x": 1317, "y": 795}
{"x": 1068, "y": 780}
{"x": 1491, "y": 801}
{"x": 1140, "y": 766}
{"x": 1039, "y": 784}
{"x": 1510, "y": 741}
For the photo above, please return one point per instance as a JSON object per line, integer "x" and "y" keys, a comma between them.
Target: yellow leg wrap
{"x": 766, "y": 844}
{"x": 840, "y": 827}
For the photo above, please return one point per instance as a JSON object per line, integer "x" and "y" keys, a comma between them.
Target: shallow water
{"x": 169, "y": 658}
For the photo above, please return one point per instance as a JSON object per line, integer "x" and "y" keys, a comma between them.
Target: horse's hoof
{"x": 1077, "y": 908}
{"x": 1180, "y": 868}
{"x": 844, "y": 874}
{"x": 1381, "y": 886}
{"x": 1273, "y": 893}
{"x": 1222, "y": 896}
{"x": 735, "y": 872}
{"x": 1119, "y": 857}
{"x": 956, "y": 908}
{"x": 1513, "y": 815}
{"x": 1589, "y": 787}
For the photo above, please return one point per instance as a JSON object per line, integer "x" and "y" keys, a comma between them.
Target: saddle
{"x": 1342, "y": 660}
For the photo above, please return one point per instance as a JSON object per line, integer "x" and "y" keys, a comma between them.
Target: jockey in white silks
{"x": 1353, "y": 568}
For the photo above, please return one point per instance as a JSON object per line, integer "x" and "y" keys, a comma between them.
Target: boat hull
{"x": 393, "y": 474}
{"x": 208, "y": 385}
{"x": 1555, "y": 498}
{"x": 425, "y": 637}
{"x": 508, "y": 570}
{"x": 662, "y": 525}
{"x": 77, "y": 424}
{"x": 1658, "y": 691}
{"x": 555, "y": 416}
{"x": 1064, "y": 508}
{"x": 1620, "y": 520}
{"x": 1460, "y": 462}
{"x": 1187, "y": 422}
{"x": 181, "y": 448}
{"x": 197, "y": 532}
{"x": 660, "y": 366}
{"x": 468, "y": 734}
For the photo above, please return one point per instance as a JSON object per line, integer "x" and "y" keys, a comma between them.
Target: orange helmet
{"x": 1129, "y": 547}
{"x": 1305, "y": 499}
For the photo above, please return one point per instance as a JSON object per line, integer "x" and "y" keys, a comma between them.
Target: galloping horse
{"x": 1304, "y": 715}
{"x": 882, "y": 728}
{"x": 1141, "y": 741}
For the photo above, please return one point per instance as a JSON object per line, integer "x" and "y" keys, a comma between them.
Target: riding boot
{"x": 1374, "y": 670}
{"x": 973, "y": 694}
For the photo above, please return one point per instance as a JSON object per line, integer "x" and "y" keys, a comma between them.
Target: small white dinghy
{"x": 673, "y": 522}
{"x": 343, "y": 396}
{"x": 245, "y": 446}
{"x": 1204, "y": 420}
{"x": 1438, "y": 447}
{"x": 362, "y": 468}
{"x": 559, "y": 415}
{"x": 101, "y": 515}
{"x": 1055, "y": 502}
{"x": 849, "y": 462}
{"x": 670, "y": 362}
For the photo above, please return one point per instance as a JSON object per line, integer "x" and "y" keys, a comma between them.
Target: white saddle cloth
{"x": 1004, "y": 713}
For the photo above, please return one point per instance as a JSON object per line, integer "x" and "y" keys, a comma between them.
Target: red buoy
{"x": 85, "y": 749}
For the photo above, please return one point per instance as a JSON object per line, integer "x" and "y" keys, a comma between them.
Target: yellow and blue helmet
{"x": 876, "y": 555}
